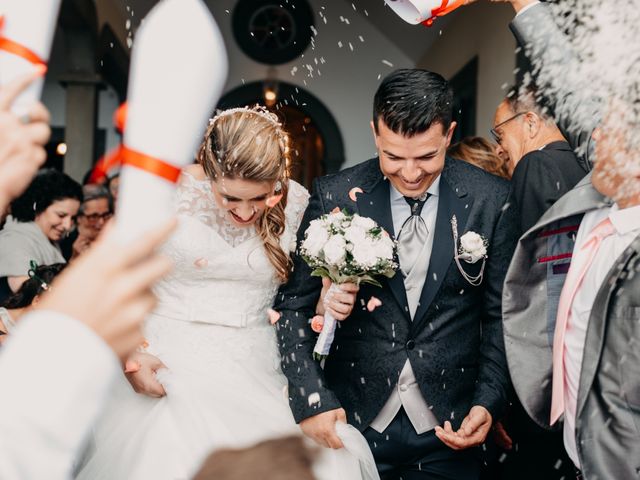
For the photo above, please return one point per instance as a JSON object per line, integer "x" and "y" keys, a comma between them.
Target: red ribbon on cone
{"x": 442, "y": 10}
{"x": 149, "y": 164}
{"x": 15, "y": 48}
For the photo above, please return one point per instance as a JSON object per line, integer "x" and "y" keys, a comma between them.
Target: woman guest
{"x": 482, "y": 153}
{"x": 40, "y": 218}
{"x": 96, "y": 209}
{"x": 21, "y": 302}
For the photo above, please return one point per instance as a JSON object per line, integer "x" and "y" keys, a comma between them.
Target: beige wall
{"x": 478, "y": 30}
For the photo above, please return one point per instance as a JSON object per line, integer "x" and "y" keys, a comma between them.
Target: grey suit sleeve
{"x": 296, "y": 302}
{"x": 547, "y": 48}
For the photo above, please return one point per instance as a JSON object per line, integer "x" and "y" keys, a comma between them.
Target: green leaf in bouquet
{"x": 321, "y": 272}
{"x": 375, "y": 232}
{"x": 370, "y": 280}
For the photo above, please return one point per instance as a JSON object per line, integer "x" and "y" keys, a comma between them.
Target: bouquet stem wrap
{"x": 345, "y": 248}
{"x": 325, "y": 339}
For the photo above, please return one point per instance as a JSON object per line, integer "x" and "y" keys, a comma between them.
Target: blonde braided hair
{"x": 250, "y": 143}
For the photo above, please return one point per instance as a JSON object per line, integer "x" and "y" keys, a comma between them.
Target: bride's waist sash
{"x": 199, "y": 313}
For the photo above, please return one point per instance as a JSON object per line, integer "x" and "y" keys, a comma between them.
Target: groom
{"x": 424, "y": 375}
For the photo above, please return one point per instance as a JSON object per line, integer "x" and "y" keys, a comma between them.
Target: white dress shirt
{"x": 627, "y": 226}
{"x": 55, "y": 373}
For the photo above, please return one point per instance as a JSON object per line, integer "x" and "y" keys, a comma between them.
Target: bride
{"x": 219, "y": 382}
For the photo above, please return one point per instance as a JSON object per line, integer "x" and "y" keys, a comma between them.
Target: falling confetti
{"x": 273, "y": 316}
{"x": 373, "y": 303}
{"x": 316, "y": 323}
{"x": 353, "y": 192}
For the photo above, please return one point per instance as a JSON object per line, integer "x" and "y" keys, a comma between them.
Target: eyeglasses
{"x": 95, "y": 217}
{"x": 494, "y": 131}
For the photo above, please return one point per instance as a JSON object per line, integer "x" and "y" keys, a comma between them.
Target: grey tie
{"x": 413, "y": 235}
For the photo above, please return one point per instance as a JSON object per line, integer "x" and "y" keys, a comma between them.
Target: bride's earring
{"x": 273, "y": 200}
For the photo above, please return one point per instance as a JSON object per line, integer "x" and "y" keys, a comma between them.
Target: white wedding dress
{"x": 223, "y": 379}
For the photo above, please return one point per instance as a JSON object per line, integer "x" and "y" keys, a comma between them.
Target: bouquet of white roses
{"x": 346, "y": 248}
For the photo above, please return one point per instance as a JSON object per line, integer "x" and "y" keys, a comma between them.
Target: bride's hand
{"x": 339, "y": 304}
{"x": 321, "y": 428}
{"x": 143, "y": 379}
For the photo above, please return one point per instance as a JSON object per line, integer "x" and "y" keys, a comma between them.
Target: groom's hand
{"x": 339, "y": 304}
{"x": 321, "y": 428}
{"x": 472, "y": 432}
{"x": 143, "y": 379}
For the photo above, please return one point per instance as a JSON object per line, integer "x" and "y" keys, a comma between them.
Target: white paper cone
{"x": 413, "y": 11}
{"x": 178, "y": 69}
{"x": 31, "y": 23}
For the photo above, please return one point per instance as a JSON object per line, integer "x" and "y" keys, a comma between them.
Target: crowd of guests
{"x": 53, "y": 220}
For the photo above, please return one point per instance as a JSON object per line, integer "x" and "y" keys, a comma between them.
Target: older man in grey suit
{"x": 571, "y": 301}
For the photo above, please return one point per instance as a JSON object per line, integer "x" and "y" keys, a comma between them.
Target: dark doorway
{"x": 465, "y": 90}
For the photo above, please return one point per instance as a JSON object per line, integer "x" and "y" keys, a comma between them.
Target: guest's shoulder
{"x": 474, "y": 178}
{"x": 535, "y": 164}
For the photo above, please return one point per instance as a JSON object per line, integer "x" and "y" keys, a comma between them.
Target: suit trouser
{"x": 401, "y": 453}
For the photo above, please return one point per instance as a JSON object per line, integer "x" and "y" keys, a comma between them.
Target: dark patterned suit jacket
{"x": 455, "y": 342}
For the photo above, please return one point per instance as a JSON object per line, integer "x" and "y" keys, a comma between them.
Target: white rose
{"x": 316, "y": 238}
{"x": 364, "y": 253}
{"x": 355, "y": 234}
{"x": 384, "y": 248}
{"x": 363, "y": 222}
{"x": 336, "y": 218}
{"x": 335, "y": 250}
{"x": 473, "y": 246}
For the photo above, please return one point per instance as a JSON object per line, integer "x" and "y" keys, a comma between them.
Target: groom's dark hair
{"x": 410, "y": 100}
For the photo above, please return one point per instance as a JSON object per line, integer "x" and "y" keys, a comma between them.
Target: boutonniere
{"x": 470, "y": 249}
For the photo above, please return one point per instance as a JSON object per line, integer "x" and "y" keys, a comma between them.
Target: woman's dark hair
{"x": 47, "y": 187}
{"x": 410, "y": 100}
{"x": 33, "y": 287}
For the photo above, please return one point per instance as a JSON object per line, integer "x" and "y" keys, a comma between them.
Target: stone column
{"x": 81, "y": 119}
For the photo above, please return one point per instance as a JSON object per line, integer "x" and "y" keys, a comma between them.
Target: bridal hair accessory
{"x": 263, "y": 112}
{"x": 256, "y": 109}
{"x": 472, "y": 249}
{"x": 33, "y": 267}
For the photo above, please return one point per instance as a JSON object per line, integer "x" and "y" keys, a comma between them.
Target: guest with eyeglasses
{"x": 95, "y": 210}
{"x": 543, "y": 167}
{"x": 542, "y": 164}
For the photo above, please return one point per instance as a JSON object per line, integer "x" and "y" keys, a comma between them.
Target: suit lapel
{"x": 375, "y": 203}
{"x": 450, "y": 203}
{"x": 597, "y": 326}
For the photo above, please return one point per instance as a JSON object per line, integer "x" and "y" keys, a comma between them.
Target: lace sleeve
{"x": 297, "y": 202}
